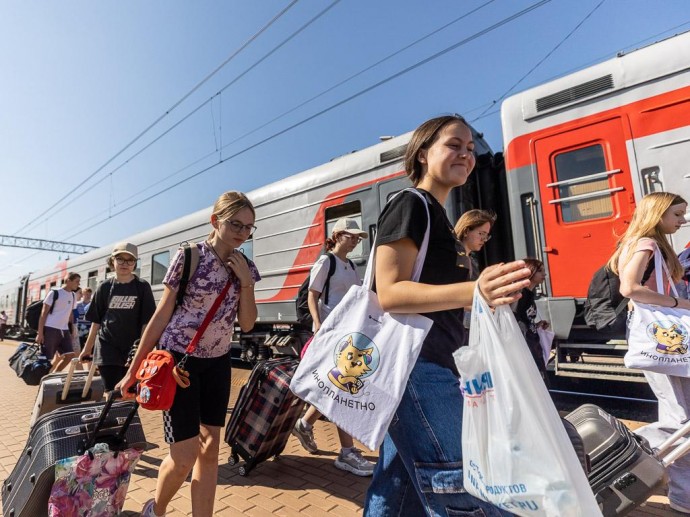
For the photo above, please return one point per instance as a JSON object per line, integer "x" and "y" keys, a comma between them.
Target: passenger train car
{"x": 579, "y": 152}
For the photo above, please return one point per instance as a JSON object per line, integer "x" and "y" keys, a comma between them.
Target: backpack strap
{"x": 55, "y": 297}
{"x": 331, "y": 272}
{"x": 191, "y": 261}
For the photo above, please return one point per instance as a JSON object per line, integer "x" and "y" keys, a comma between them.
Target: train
{"x": 579, "y": 152}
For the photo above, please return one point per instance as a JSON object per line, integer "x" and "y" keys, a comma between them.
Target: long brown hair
{"x": 473, "y": 219}
{"x": 423, "y": 138}
{"x": 645, "y": 223}
{"x": 228, "y": 204}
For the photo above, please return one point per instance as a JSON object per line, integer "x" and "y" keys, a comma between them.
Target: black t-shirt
{"x": 121, "y": 310}
{"x": 405, "y": 217}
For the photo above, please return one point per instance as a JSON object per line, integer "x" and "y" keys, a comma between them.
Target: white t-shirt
{"x": 64, "y": 304}
{"x": 344, "y": 277}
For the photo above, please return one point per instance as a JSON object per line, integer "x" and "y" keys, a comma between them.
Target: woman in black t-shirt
{"x": 423, "y": 445}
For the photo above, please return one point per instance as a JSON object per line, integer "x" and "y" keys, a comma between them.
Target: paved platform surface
{"x": 298, "y": 484}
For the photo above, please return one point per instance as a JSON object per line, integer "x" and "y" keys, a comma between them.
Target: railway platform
{"x": 297, "y": 484}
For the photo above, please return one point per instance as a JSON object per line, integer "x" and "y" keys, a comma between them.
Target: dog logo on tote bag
{"x": 671, "y": 338}
{"x": 356, "y": 357}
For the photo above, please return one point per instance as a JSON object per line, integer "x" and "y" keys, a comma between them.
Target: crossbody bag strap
{"x": 204, "y": 324}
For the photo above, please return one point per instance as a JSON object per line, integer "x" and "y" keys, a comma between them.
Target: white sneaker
{"x": 678, "y": 508}
{"x": 147, "y": 510}
{"x": 305, "y": 437}
{"x": 355, "y": 463}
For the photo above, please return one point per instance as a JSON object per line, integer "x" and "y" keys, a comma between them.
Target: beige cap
{"x": 350, "y": 226}
{"x": 125, "y": 247}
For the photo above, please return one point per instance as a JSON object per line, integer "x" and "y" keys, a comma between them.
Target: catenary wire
{"x": 326, "y": 110}
{"x": 161, "y": 117}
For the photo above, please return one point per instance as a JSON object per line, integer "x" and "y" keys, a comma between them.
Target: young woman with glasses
{"x": 193, "y": 423}
{"x": 119, "y": 312}
{"x": 473, "y": 230}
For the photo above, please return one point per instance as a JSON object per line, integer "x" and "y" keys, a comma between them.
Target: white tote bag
{"x": 516, "y": 453}
{"x": 658, "y": 337}
{"x": 360, "y": 359}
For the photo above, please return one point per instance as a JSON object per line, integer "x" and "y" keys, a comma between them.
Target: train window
{"x": 92, "y": 280}
{"x": 248, "y": 248}
{"x": 159, "y": 266}
{"x": 352, "y": 210}
{"x": 572, "y": 171}
{"x": 137, "y": 269}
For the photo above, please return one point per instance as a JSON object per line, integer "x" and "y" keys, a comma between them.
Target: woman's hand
{"x": 501, "y": 284}
{"x": 240, "y": 267}
{"x": 125, "y": 384}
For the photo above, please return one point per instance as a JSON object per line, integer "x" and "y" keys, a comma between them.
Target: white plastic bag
{"x": 516, "y": 453}
{"x": 546, "y": 341}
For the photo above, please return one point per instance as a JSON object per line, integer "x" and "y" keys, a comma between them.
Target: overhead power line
{"x": 325, "y": 110}
{"x": 161, "y": 117}
{"x": 44, "y": 245}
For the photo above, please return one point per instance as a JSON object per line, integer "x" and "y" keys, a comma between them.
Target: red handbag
{"x": 157, "y": 384}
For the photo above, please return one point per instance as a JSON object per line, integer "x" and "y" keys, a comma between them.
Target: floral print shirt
{"x": 202, "y": 290}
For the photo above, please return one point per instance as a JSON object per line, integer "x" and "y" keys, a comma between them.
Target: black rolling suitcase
{"x": 64, "y": 433}
{"x": 265, "y": 413}
{"x": 623, "y": 470}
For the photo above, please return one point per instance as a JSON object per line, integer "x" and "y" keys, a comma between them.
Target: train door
{"x": 585, "y": 188}
{"x": 662, "y": 149}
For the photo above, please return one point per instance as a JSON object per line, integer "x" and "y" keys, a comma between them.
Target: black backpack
{"x": 605, "y": 307}
{"x": 302, "y": 302}
{"x": 33, "y": 311}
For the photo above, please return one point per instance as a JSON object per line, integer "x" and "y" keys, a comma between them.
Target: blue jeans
{"x": 419, "y": 471}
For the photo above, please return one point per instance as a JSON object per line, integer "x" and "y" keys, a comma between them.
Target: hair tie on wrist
{"x": 675, "y": 302}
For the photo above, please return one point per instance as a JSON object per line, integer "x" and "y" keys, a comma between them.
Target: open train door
{"x": 586, "y": 192}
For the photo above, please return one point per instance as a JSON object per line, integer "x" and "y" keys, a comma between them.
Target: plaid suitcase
{"x": 66, "y": 432}
{"x": 264, "y": 414}
{"x": 624, "y": 470}
{"x": 64, "y": 388}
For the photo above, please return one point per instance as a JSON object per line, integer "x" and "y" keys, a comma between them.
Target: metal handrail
{"x": 588, "y": 195}
{"x": 584, "y": 179}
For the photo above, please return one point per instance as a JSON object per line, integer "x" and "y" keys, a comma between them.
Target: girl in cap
{"x": 326, "y": 290}
{"x": 119, "y": 312}
{"x": 193, "y": 423}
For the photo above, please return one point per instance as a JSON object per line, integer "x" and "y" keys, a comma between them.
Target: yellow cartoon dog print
{"x": 670, "y": 340}
{"x": 351, "y": 364}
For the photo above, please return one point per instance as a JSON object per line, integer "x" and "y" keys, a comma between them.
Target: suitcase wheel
{"x": 233, "y": 459}
{"x": 243, "y": 471}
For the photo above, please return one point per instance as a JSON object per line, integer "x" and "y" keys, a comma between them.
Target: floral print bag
{"x": 93, "y": 484}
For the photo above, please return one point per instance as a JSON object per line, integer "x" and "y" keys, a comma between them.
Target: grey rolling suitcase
{"x": 72, "y": 387}
{"x": 623, "y": 470}
{"x": 65, "y": 432}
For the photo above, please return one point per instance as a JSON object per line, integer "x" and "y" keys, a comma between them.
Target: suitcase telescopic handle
{"x": 89, "y": 380}
{"x": 668, "y": 458}
{"x": 68, "y": 379}
{"x": 110, "y": 397}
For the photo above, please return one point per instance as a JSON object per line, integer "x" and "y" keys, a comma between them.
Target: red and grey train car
{"x": 579, "y": 152}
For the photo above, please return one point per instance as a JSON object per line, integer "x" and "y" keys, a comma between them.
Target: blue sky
{"x": 82, "y": 79}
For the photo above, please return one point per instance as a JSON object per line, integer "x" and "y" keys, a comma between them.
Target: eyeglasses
{"x": 484, "y": 236}
{"x": 128, "y": 262}
{"x": 238, "y": 227}
{"x": 356, "y": 238}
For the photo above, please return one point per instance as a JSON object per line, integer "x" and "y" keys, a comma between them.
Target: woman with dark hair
{"x": 326, "y": 290}
{"x": 119, "y": 313}
{"x": 419, "y": 470}
{"x": 192, "y": 425}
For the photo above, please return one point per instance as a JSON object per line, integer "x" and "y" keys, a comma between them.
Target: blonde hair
{"x": 645, "y": 223}
{"x": 228, "y": 204}
{"x": 473, "y": 219}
